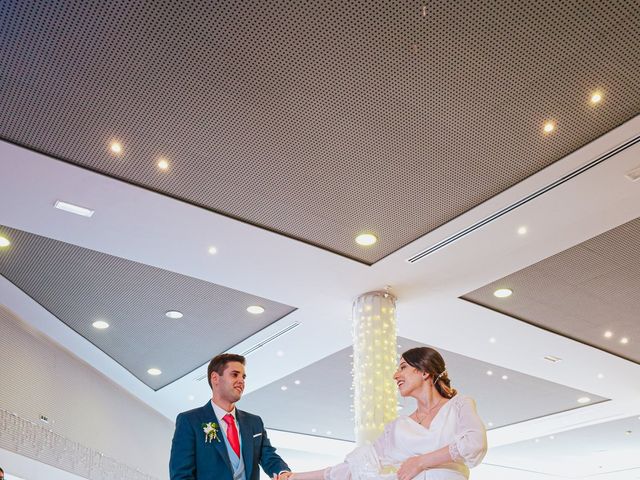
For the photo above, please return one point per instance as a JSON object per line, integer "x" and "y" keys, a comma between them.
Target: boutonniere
{"x": 210, "y": 430}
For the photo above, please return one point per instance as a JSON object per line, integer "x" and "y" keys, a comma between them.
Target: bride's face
{"x": 408, "y": 379}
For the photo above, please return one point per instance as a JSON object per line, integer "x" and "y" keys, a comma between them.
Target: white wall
{"x": 86, "y": 411}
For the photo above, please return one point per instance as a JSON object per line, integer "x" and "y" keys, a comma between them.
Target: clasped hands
{"x": 282, "y": 476}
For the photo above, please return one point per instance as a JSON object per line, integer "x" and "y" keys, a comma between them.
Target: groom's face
{"x": 230, "y": 385}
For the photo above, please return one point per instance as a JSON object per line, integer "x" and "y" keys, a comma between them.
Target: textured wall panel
{"x": 96, "y": 429}
{"x": 319, "y": 119}
{"x": 500, "y": 402}
{"x": 80, "y": 286}
{"x": 580, "y": 292}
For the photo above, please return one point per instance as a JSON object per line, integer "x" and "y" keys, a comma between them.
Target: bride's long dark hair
{"x": 429, "y": 361}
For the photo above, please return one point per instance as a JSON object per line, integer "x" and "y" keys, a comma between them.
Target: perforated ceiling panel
{"x": 581, "y": 293}
{"x": 80, "y": 286}
{"x": 319, "y": 119}
{"x": 500, "y": 401}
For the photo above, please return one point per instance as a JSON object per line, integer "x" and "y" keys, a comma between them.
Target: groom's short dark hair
{"x": 219, "y": 363}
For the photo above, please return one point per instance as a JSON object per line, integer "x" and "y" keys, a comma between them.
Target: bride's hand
{"x": 410, "y": 468}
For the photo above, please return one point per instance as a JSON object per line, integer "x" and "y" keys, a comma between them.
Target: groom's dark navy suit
{"x": 193, "y": 458}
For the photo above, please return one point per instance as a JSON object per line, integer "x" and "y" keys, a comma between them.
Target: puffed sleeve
{"x": 366, "y": 457}
{"x": 470, "y": 444}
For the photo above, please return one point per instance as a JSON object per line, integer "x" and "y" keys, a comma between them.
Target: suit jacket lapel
{"x": 208, "y": 415}
{"x": 247, "y": 442}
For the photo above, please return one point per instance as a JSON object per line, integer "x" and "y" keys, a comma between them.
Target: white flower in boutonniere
{"x": 210, "y": 430}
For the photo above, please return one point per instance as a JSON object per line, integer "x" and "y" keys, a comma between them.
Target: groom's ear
{"x": 214, "y": 378}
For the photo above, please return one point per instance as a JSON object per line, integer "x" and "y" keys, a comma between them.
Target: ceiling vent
{"x": 260, "y": 344}
{"x": 462, "y": 233}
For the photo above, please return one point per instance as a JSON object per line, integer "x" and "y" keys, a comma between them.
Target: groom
{"x": 218, "y": 441}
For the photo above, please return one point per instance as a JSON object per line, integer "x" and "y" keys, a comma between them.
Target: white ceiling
{"x": 146, "y": 227}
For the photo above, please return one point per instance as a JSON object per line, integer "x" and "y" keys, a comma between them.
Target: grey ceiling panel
{"x": 80, "y": 286}
{"x": 500, "y": 402}
{"x": 581, "y": 293}
{"x": 575, "y": 446}
{"x": 319, "y": 119}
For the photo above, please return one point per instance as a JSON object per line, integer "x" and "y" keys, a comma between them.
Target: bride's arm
{"x": 314, "y": 475}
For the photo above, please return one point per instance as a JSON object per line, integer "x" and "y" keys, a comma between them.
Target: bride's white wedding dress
{"x": 456, "y": 426}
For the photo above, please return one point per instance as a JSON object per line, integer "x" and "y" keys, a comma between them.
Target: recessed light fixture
{"x": 71, "y": 208}
{"x": 174, "y": 314}
{"x": 553, "y": 359}
{"x": 584, "y": 400}
{"x": 596, "y": 97}
{"x": 551, "y": 437}
{"x": 283, "y": 388}
{"x": 633, "y": 175}
{"x": 522, "y": 230}
{"x": 505, "y": 377}
{"x": 537, "y": 440}
{"x": 297, "y": 382}
{"x": 154, "y": 371}
{"x": 608, "y": 334}
{"x": 116, "y": 148}
{"x": 490, "y": 424}
{"x": 328, "y": 432}
{"x": 212, "y": 250}
{"x": 366, "y": 239}
{"x": 503, "y": 292}
{"x": 4, "y": 242}
{"x": 624, "y": 340}
{"x": 163, "y": 164}
{"x": 100, "y": 324}
{"x": 489, "y": 372}
{"x": 601, "y": 376}
{"x": 280, "y": 353}
{"x": 314, "y": 430}
{"x": 549, "y": 127}
{"x": 255, "y": 309}
{"x": 191, "y": 397}
{"x": 492, "y": 340}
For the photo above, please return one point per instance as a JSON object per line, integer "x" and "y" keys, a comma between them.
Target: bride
{"x": 439, "y": 441}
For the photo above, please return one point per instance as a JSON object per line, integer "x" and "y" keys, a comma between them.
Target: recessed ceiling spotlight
{"x": 522, "y": 230}
{"x": 490, "y": 424}
{"x": 163, "y": 164}
{"x": 191, "y": 397}
{"x": 601, "y": 376}
{"x": 280, "y": 353}
{"x": 116, "y": 148}
{"x": 492, "y": 340}
{"x": 505, "y": 377}
{"x": 297, "y": 382}
{"x": 584, "y": 400}
{"x": 624, "y": 340}
{"x": 255, "y": 309}
{"x": 489, "y": 372}
{"x": 71, "y": 208}
{"x": 4, "y": 242}
{"x": 549, "y": 127}
{"x": 212, "y": 250}
{"x": 537, "y": 440}
{"x": 366, "y": 239}
{"x": 314, "y": 430}
{"x": 596, "y": 97}
{"x": 552, "y": 358}
{"x": 283, "y": 388}
{"x": 328, "y": 432}
{"x": 551, "y": 437}
{"x": 100, "y": 324}
{"x": 503, "y": 292}
{"x": 608, "y": 334}
{"x": 154, "y": 371}
{"x": 174, "y": 314}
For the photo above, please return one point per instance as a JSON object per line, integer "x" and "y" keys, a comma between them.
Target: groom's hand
{"x": 283, "y": 476}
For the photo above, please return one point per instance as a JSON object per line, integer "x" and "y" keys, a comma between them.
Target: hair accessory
{"x": 438, "y": 377}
